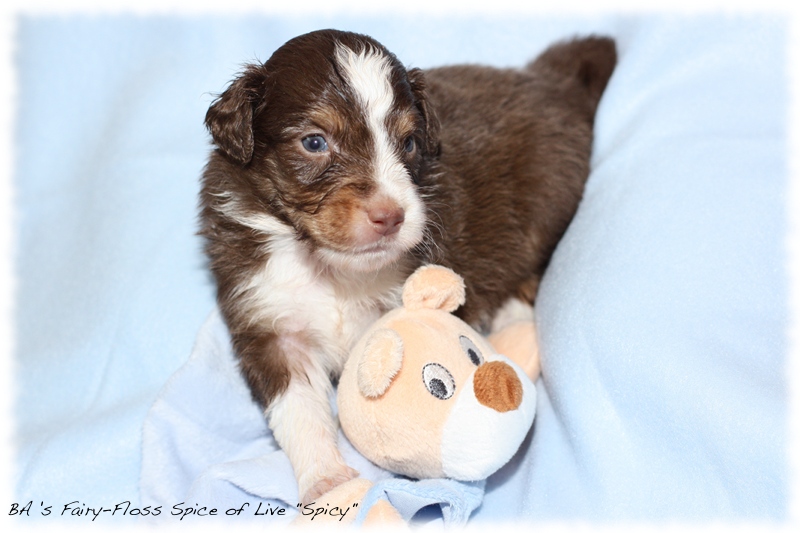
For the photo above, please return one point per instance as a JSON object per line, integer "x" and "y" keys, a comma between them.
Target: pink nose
{"x": 386, "y": 218}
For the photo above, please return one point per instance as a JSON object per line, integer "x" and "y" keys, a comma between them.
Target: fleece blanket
{"x": 662, "y": 316}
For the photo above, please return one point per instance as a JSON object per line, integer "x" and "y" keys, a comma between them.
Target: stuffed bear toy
{"x": 424, "y": 395}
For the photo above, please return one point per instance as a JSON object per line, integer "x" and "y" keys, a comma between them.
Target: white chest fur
{"x": 317, "y": 314}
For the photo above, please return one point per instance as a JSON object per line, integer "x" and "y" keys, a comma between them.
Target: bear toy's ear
{"x": 434, "y": 287}
{"x": 380, "y": 362}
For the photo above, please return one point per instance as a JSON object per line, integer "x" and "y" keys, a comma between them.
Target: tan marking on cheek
{"x": 337, "y": 220}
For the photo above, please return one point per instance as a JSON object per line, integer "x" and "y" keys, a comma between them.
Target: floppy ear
{"x": 418, "y": 88}
{"x": 434, "y": 287}
{"x": 230, "y": 117}
{"x": 380, "y": 362}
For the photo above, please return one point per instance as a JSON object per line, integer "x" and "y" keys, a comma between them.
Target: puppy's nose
{"x": 386, "y": 217}
{"x": 497, "y": 386}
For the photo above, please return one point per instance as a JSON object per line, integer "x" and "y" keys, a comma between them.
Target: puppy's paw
{"x": 331, "y": 480}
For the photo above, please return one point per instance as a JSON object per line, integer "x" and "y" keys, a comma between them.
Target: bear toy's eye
{"x": 438, "y": 381}
{"x": 315, "y": 143}
{"x": 471, "y": 350}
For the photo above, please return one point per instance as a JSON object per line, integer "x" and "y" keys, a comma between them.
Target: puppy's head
{"x": 329, "y": 139}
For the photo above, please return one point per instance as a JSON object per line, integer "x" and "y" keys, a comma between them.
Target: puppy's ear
{"x": 230, "y": 117}
{"x": 588, "y": 62}
{"x": 417, "y": 81}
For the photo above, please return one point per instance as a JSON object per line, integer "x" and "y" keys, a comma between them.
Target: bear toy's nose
{"x": 497, "y": 386}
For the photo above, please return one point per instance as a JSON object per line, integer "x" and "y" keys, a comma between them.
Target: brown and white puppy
{"x": 337, "y": 172}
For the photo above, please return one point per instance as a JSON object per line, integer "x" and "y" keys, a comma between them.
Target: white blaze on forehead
{"x": 369, "y": 74}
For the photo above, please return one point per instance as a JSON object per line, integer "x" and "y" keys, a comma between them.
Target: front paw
{"x": 331, "y": 480}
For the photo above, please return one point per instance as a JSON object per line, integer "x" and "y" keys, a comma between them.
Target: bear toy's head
{"x": 424, "y": 395}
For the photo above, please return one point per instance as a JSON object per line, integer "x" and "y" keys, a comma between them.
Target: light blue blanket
{"x": 662, "y": 316}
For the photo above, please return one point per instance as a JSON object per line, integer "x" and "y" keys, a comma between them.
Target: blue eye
{"x": 409, "y": 146}
{"x": 315, "y": 143}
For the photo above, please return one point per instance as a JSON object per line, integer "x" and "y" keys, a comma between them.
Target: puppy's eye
{"x": 315, "y": 143}
{"x": 471, "y": 350}
{"x": 409, "y": 145}
{"x": 438, "y": 381}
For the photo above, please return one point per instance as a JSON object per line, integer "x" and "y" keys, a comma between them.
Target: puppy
{"x": 337, "y": 171}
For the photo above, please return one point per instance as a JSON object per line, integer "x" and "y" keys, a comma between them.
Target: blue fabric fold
{"x": 455, "y": 499}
